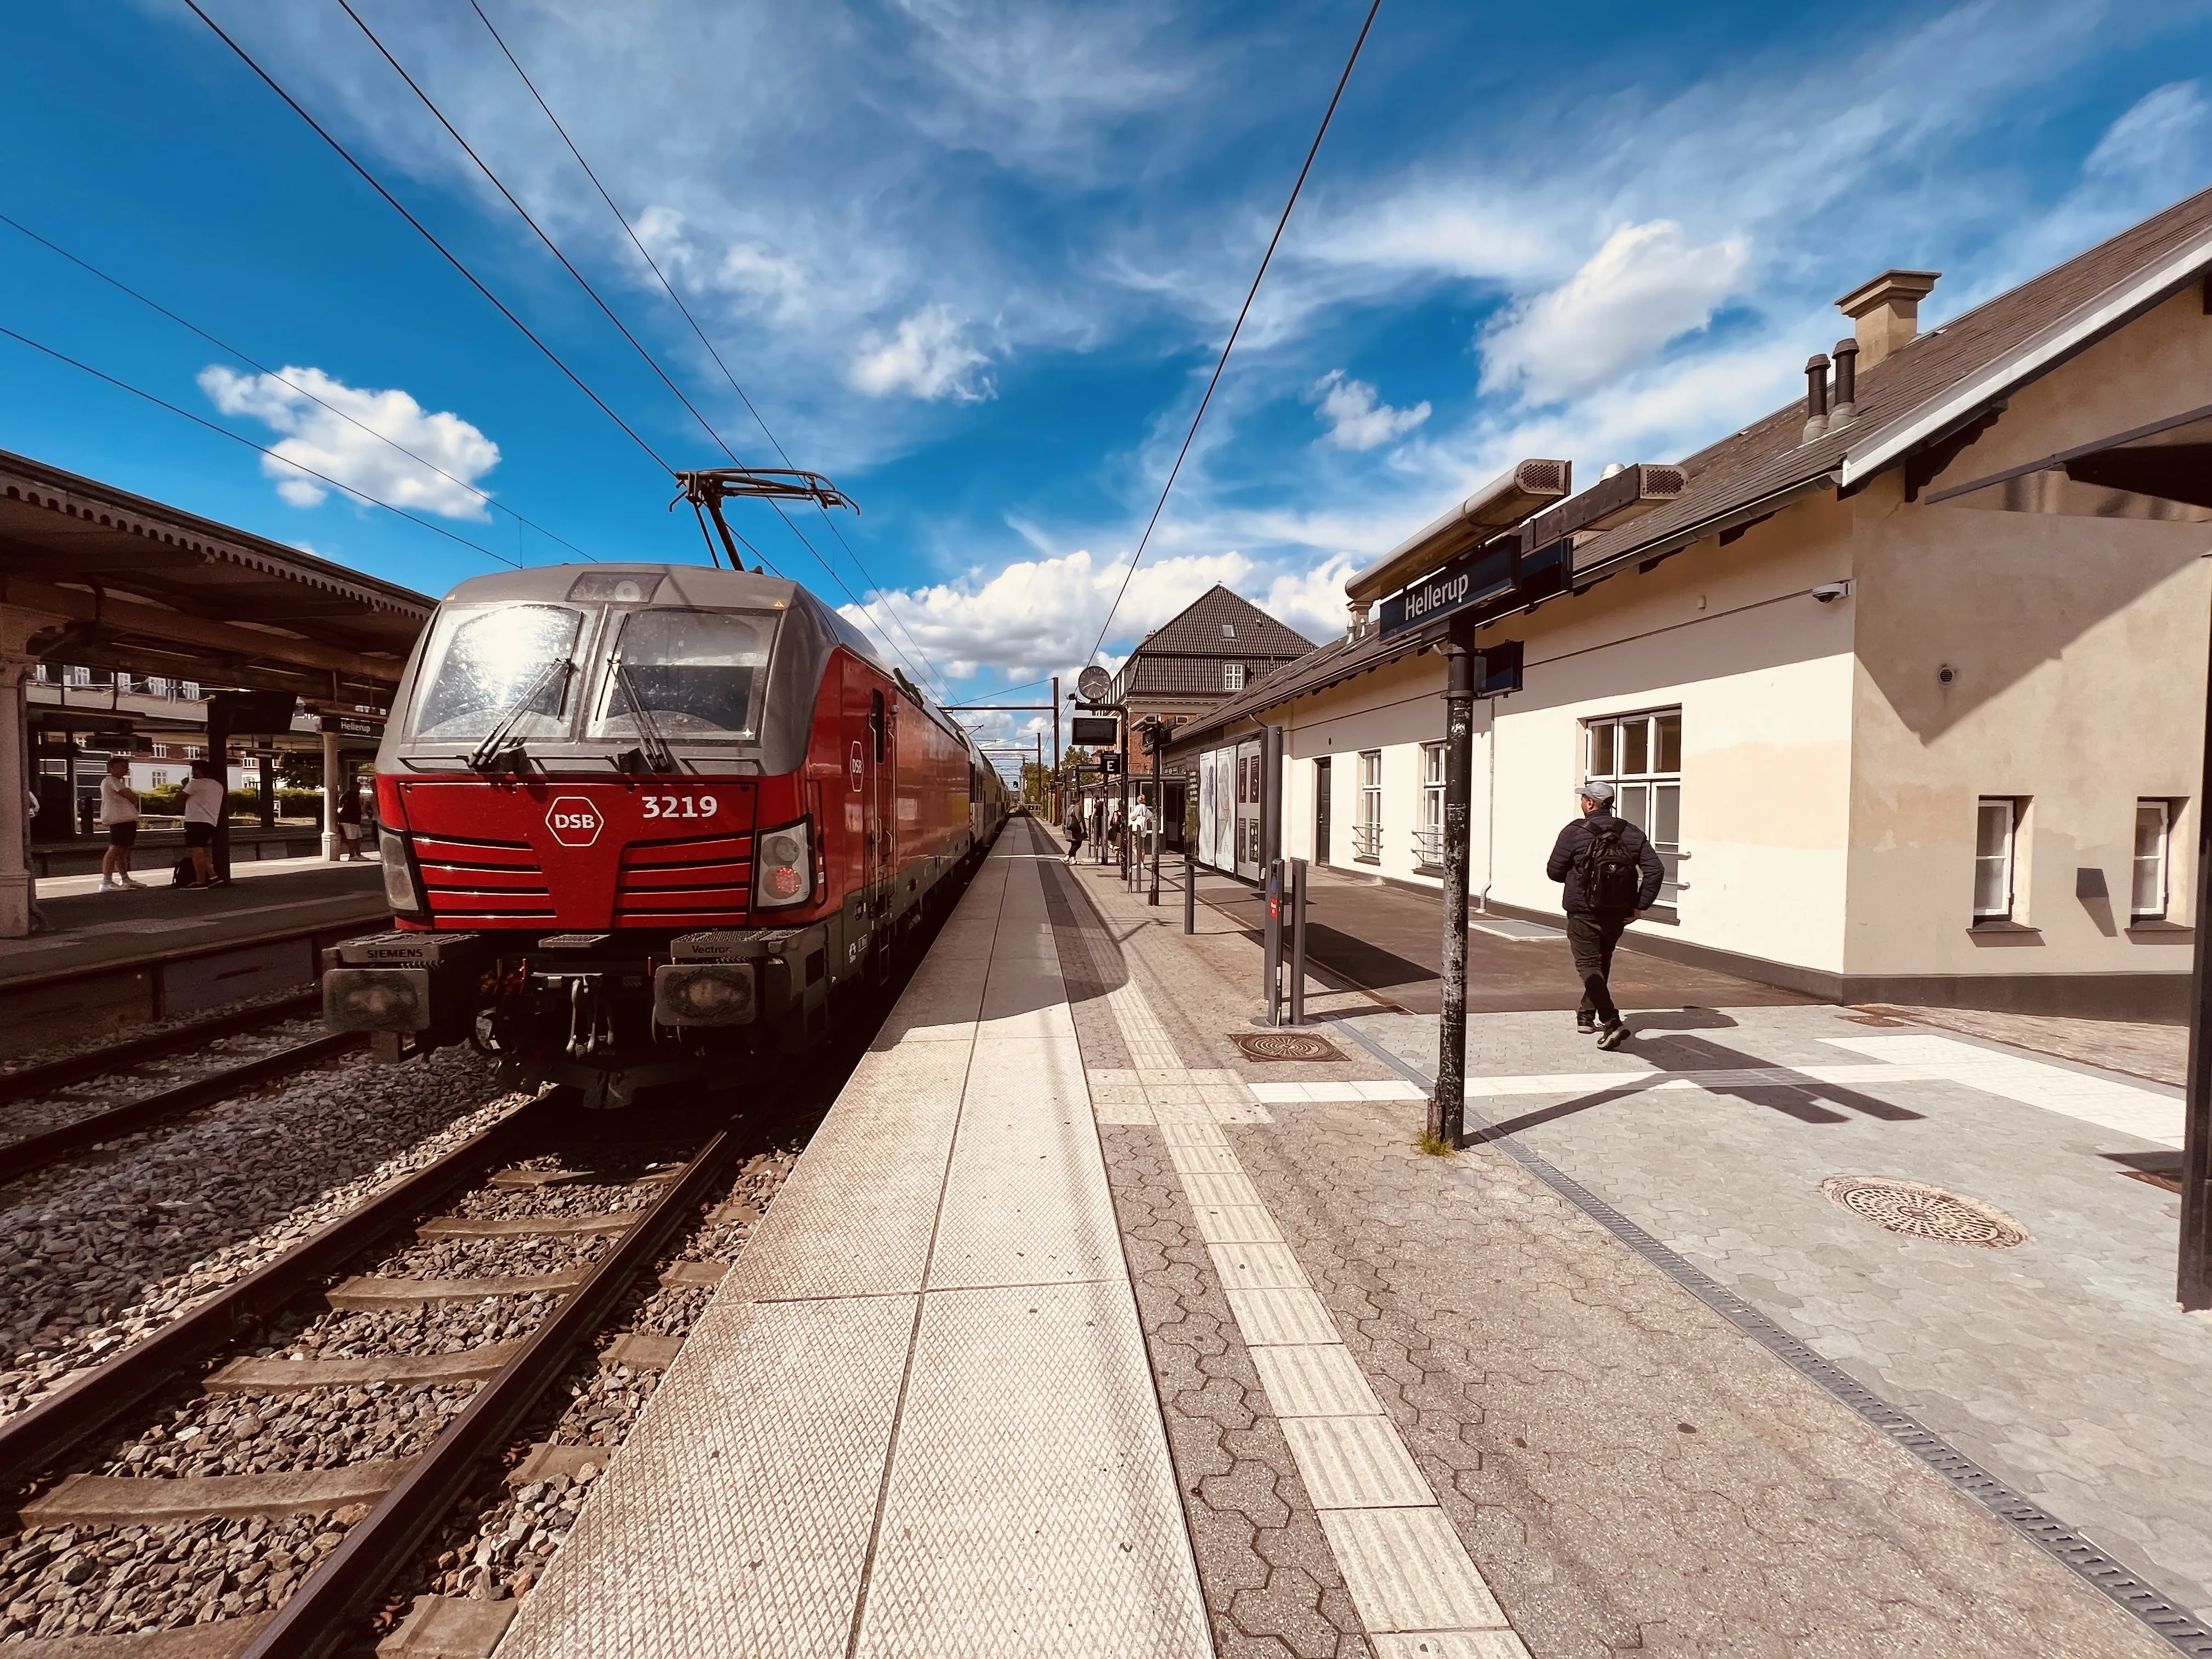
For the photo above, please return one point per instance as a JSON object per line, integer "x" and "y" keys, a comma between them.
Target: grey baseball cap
{"x": 1595, "y": 791}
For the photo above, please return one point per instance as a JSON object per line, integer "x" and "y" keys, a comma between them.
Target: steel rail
{"x": 19, "y": 1158}
{"x": 134, "y": 1051}
{"x": 37, "y": 1438}
{"x": 323, "y": 1615}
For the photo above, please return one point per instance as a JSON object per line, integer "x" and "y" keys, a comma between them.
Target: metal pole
{"x": 1298, "y": 941}
{"x": 1448, "y": 1110}
{"x": 2194, "y": 1276}
{"x": 1124, "y": 848}
{"x": 1189, "y": 885}
{"x": 1058, "y": 804}
{"x": 1271, "y": 969}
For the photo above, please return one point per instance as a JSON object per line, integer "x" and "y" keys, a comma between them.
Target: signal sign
{"x": 573, "y": 821}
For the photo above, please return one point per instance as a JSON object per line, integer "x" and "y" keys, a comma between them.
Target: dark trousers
{"x": 1591, "y": 935}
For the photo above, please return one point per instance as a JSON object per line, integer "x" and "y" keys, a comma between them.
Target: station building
{"x": 1907, "y": 682}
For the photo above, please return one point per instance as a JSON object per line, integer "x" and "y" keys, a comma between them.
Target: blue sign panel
{"x": 1468, "y": 579}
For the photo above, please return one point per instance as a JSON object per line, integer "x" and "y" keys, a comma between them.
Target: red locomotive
{"x": 641, "y": 820}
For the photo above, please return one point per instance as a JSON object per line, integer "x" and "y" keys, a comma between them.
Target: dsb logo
{"x": 573, "y": 821}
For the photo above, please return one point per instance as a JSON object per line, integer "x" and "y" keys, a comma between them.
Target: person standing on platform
{"x": 119, "y": 813}
{"x": 1075, "y": 827}
{"x": 38, "y": 922}
{"x": 348, "y": 819}
{"x": 205, "y": 802}
{"x": 1612, "y": 877}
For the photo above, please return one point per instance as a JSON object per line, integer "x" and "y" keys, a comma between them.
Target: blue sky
{"x": 974, "y": 261}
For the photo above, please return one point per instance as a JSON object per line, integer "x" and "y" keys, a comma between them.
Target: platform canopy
{"x": 95, "y": 576}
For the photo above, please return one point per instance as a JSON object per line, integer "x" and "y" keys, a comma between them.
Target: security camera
{"x": 1829, "y": 592}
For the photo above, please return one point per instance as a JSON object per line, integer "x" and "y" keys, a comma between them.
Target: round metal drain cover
{"x": 1922, "y": 1211}
{"x": 1286, "y": 1045}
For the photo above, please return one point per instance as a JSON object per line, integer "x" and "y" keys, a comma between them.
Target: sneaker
{"x": 1614, "y": 1035}
{"x": 1586, "y": 1023}
{"x": 134, "y": 886}
{"x": 108, "y": 884}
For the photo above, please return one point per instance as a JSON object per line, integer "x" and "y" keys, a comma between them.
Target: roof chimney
{"x": 1886, "y": 311}
{"x": 1816, "y": 397}
{"x": 1847, "y": 384}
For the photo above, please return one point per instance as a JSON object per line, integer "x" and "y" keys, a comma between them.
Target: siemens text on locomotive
{"x": 640, "y": 820}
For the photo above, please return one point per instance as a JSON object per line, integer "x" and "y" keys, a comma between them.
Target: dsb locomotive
{"x": 641, "y": 821}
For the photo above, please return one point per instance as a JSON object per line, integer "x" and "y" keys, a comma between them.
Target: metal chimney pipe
{"x": 1816, "y": 397}
{"x": 1847, "y": 384}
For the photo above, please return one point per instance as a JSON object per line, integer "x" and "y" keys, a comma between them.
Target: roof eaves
{"x": 2081, "y": 328}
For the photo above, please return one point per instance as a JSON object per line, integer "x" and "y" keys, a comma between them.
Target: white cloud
{"x": 2163, "y": 128}
{"x": 927, "y": 358}
{"x": 1646, "y": 285}
{"x": 1040, "y": 616}
{"x": 317, "y": 435}
{"x": 1355, "y": 420}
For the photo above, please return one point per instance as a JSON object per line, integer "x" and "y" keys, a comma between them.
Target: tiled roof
{"x": 1997, "y": 346}
{"x": 1767, "y": 457}
{"x": 1197, "y": 630}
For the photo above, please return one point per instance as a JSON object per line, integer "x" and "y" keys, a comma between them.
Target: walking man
{"x": 1612, "y": 876}
{"x": 119, "y": 812}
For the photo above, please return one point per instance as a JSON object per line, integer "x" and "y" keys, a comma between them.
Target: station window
{"x": 1232, "y": 677}
{"x": 1367, "y": 828}
{"x": 1431, "y": 832}
{"x": 1997, "y": 823}
{"x": 2147, "y": 900}
{"x": 1640, "y": 755}
{"x": 160, "y": 777}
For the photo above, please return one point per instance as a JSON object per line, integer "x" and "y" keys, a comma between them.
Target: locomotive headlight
{"x": 402, "y": 889}
{"x": 704, "y": 993}
{"x": 376, "y": 1000}
{"x": 783, "y": 868}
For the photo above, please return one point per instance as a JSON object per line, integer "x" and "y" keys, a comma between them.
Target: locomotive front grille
{"x": 694, "y": 882}
{"x": 467, "y": 879}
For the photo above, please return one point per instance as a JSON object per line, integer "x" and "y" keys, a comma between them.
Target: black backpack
{"x": 1611, "y": 876}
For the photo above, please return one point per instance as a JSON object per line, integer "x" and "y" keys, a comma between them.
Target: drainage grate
{"x": 1285, "y": 1045}
{"x": 1924, "y": 1211}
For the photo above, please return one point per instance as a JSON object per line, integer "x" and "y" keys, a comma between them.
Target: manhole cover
{"x": 1924, "y": 1211}
{"x": 1285, "y": 1045}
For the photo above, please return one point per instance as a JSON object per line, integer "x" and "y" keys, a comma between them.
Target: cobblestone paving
{"x": 1629, "y": 1472}
{"x": 1272, "y": 1587}
{"x": 2063, "y": 1366}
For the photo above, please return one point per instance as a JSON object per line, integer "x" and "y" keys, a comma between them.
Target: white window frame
{"x": 1430, "y": 836}
{"x": 2158, "y": 864}
{"x": 1649, "y": 796}
{"x": 1232, "y": 677}
{"x": 2004, "y": 857}
{"x": 1367, "y": 824}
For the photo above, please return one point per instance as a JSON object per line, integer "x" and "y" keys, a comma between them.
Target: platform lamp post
{"x": 2193, "y": 1286}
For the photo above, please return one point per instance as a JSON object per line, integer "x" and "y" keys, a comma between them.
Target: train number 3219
{"x": 680, "y": 806}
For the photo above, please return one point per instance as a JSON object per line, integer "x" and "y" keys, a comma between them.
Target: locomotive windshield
{"x": 484, "y": 666}
{"x": 697, "y": 673}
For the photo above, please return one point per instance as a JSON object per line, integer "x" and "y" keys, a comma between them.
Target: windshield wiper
{"x": 658, "y": 755}
{"x": 495, "y": 746}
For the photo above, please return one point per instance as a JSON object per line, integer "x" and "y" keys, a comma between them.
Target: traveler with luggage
{"x": 1612, "y": 876}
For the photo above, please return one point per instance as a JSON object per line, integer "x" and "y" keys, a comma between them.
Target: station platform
{"x": 1083, "y": 1327}
{"x": 114, "y": 960}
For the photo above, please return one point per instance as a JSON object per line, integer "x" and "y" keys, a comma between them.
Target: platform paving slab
{"x": 1624, "y": 1468}
{"x": 916, "y": 1418}
{"x": 2062, "y": 1365}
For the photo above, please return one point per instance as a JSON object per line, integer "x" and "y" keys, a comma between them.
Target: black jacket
{"x": 1576, "y": 837}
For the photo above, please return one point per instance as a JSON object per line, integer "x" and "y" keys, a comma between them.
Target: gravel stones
{"x": 38, "y": 1114}
{"x": 103, "y": 1256}
{"x": 75, "y": 1581}
{"x": 495, "y": 1258}
{"x": 314, "y": 1429}
{"x": 422, "y": 1328}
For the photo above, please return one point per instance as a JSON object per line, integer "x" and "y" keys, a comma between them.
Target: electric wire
{"x": 238, "y": 438}
{"x": 584, "y": 283}
{"x": 452, "y": 259}
{"x": 185, "y": 322}
{"x": 668, "y": 287}
{"x": 1230, "y": 344}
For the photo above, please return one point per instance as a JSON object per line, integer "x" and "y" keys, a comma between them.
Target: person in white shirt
{"x": 119, "y": 812}
{"x": 205, "y": 802}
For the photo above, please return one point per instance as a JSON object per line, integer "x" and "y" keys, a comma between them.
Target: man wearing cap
{"x": 1612, "y": 876}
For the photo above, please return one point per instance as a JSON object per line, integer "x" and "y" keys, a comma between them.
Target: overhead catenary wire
{"x": 239, "y": 438}
{"x": 451, "y": 258}
{"x": 485, "y": 497}
{"x": 1230, "y": 344}
{"x": 585, "y": 283}
{"x": 669, "y": 288}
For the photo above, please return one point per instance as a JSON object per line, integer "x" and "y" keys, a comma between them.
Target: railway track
{"x": 40, "y": 1148}
{"x": 370, "y": 1520}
